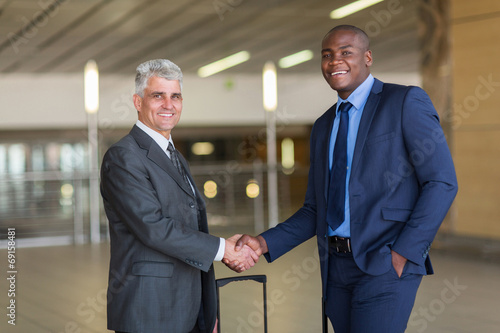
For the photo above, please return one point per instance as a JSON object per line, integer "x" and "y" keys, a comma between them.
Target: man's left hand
{"x": 398, "y": 261}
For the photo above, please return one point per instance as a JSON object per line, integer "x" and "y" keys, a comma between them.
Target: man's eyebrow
{"x": 340, "y": 48}
{"x": 163, "y": 93}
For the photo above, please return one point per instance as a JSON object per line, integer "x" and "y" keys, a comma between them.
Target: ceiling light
{"x": 223, "y": 64}
{"x": 252, "y": 189}
{"x": 210, "y": 189}
{"x": 287, "y": 153}
{"x": 295, "y": 59}
{"x": 269, "y": 87}
{"x": 91, "y": 87}
{"x": 352, "y": 8}
{"x": 202, "y": 148}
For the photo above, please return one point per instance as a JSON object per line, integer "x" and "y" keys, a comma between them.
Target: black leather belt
{"x": 340, "y": 244}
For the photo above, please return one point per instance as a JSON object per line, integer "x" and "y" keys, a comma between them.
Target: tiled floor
{"x": 62, "y": 290}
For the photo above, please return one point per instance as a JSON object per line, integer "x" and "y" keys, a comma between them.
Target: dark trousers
{"x": 361, "y": 303}
{"x": 195, "y": 330}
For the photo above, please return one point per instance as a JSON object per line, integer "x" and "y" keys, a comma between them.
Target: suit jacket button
{"x": 191, "y": 204}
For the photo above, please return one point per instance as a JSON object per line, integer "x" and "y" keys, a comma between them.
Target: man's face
{"x": 160, "y": 108}
{"x": 345, "y": 61}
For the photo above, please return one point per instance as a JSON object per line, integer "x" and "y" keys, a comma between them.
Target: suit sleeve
{"x": 433, "y": 167}
{"x": 128, "y": 191}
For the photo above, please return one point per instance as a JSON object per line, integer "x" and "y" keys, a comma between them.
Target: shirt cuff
{"x": 222, "y": 248}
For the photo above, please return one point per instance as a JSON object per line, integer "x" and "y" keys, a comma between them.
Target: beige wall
{"x": 475, "y": 27}
{"x": 57, "y": 100}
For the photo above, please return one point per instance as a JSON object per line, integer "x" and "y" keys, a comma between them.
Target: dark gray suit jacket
{"x": 161, "y": 252}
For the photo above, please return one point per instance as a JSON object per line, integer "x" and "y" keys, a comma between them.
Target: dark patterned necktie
{"x": 175, "y": 160}
{"x": 336, "y": 192}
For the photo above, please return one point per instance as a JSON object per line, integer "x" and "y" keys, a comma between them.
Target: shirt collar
{"x": 359, "y": 96}
{"x": 157, "y": 137}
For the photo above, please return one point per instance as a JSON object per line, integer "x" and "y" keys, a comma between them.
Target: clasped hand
{"x": 243, "y": 252}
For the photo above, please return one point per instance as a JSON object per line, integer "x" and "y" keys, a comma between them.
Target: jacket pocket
{"x": 380, "y": 138}
{"x": 153, "y": 268}
{"x": 396, "y": 214}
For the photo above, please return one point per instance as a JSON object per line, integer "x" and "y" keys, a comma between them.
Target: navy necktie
{"x": 336, "y": 192}
{"x": 175, "y": 160}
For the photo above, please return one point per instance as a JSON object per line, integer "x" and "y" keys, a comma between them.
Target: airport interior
{"x": 249, "y": 158}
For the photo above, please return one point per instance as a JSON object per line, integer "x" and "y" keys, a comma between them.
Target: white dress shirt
{"x": 163, "y": 143}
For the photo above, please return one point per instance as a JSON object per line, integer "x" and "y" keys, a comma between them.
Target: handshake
{"x": 243, "y": 251}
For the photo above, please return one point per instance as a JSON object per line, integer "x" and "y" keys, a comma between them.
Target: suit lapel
{"x": 366, "y": 119}
{"x": 160, "y": 158}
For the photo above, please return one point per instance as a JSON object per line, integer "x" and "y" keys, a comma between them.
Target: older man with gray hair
{"x": 161, "y": 276}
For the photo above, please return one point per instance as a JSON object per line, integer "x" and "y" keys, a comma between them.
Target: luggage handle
{"x": 257, "y": 278}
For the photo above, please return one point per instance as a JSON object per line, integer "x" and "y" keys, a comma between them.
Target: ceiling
{"x": 59, "y": 36}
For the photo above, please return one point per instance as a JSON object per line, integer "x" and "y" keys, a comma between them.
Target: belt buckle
{"x": 341, "y": 249}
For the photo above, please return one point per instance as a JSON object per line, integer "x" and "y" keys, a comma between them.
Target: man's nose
{"x": 167, "y": 103}
{"x": 335, "y": 60}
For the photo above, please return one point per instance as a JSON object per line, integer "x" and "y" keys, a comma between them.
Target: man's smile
{"x": 168, "y": 115}
{"x": 338, "y": 73}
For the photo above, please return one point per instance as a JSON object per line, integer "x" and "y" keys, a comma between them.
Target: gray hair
{"x": 156, "y": 68}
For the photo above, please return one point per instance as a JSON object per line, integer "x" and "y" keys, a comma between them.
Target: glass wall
{"x": 44, "y": 180}
{"x": 39, "y": 184}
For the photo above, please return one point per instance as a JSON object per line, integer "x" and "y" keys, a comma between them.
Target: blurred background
{"x": 250, "y": 160}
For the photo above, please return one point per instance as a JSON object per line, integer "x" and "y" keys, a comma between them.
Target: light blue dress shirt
{"x": 358, "y": 100}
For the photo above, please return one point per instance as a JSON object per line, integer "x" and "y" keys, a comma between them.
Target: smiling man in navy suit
{"x": 381, "y": 181}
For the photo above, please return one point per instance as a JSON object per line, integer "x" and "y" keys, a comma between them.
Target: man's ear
{"x": 137, "y": 102}
{"x": 368, "y": 57}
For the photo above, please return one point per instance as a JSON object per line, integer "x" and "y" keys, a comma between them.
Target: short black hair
{"x": 359, "y": 32}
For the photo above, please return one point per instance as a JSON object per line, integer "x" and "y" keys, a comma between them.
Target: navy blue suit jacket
{"x": 401, "y": 186}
